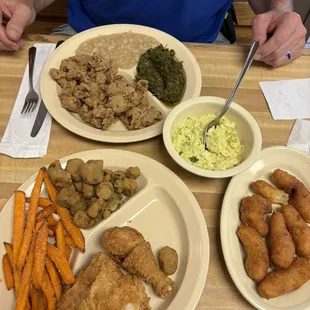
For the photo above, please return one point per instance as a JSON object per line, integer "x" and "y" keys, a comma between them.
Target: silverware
{"x": 246, "y": 66}
{"x": 41, "y": 113}
{"x": 32, "y": 97}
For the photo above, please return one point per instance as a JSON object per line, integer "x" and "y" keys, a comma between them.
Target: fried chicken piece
{"x": 91, "y": 172}
{"x": 269, "y": 192}
{"x": 252, "y": 211}
{"x": 118, "y": 104}
{"x": 86, "y": 113}
{"x": 282, "y": 246}
{"x": 57, "y": 74}
{"x": 70, "y": 103}
{"x": 112, "y": 290}
{"x": 299, "y": 230}
{"x": 59, "y": 177}
{"x": 300, "y": 200}
{"x": 280, "y": 282}
{"x": 73, "y": 168}
{"x": 257, "y": 260}
{"x": 168, "y": 260}
{"x": 120, "y": 241}
{"x": 141, "y": 262}
{"x": 284, "y": 180}
{"x": 140, "y": 117}
{"x": 105, "y": 116}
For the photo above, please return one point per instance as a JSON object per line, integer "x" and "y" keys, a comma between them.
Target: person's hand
{"x": 15, "y": 15}
{"x": 278, "y": 32}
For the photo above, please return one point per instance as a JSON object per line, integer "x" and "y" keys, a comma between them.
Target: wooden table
{"x": 220, "y": 67}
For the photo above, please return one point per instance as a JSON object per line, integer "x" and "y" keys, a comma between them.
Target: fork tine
{"x": 24, "y": 108}
{"x": 34, "y": 106}
{"x": 29, "y": 107}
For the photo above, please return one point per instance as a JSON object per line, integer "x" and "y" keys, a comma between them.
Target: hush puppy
{"x": 257, "y": 260}
{"x": 280, "y": 282}
{"x": 282, "y": 246}
{"x": 252, "y": 211}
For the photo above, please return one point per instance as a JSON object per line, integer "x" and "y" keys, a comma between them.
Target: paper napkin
{"x": 288, "y": 99}
{"x": 300, "y": 136}
{"x": 17, "y": 141}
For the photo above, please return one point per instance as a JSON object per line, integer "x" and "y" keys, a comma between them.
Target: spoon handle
{"x": 245, "y": 68}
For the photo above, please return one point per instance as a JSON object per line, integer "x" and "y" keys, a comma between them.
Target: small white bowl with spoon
{"x": 247, "y": 129}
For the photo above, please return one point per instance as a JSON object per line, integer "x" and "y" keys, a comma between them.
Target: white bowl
{"x": 247, "y": 129}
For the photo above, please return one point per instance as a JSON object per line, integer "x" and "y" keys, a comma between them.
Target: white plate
{"x": 164, "y": 211}
{"x": 294, "y": 162}
{"x": 117, "y": 133}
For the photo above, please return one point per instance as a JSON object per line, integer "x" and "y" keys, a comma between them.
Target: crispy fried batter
{"x": 120, "y": 241}
{"x": 257, "y": 261}
{"x": 280, "y": 282}
{"x": 284, "y": 180}
{"x": 269, "y": 192}
{"x": 299, "y": 230}
{"x": 141, "y": 262}
{"x": 252, "y": 211}
{"x": 102, "y": 285}
{"x": 168, "y": 260}
{"x": 300, "y": 199}
{"x": 282, "y": 246}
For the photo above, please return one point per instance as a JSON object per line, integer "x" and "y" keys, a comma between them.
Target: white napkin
{"x": 288, "y": 99}
{"x": 300, "y": 136}
{"x": 16, "y": 141}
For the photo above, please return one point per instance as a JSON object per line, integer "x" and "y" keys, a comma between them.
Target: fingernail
{"x": 13, "y": 34}
{"x": 257, "y": 56}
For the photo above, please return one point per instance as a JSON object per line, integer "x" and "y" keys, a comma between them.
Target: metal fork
{"x": 32, "y": 97}
{"x": 247, "y": 64}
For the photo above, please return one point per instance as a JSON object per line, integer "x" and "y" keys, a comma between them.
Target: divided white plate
{"x": 117, "y": 133}
{"x": 294, "y": 162}
{"x": 164, "y": 211}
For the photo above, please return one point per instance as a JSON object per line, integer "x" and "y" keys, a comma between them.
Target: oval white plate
{"x": 164, "y": 211}
{"x": 294, "y": 162}
{"x": 117, "y": 133}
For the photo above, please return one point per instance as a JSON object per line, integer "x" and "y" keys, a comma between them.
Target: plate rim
{"x": 101, "y": 137}
{"x": 199, "y": 285}
{"x": 225, "y": 206}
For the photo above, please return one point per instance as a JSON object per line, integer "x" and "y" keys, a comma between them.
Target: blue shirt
{"x": 187, "y": 20}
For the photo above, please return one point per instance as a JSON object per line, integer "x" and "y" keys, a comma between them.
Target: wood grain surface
{"x": 220, "y": 67}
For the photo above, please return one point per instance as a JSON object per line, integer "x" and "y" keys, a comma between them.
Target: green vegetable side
{"x": 164, "y": 73}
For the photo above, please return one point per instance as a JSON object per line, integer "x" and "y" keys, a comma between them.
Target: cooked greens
{"x": 164, "y": 73}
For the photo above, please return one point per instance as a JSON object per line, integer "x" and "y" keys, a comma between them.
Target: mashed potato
{"x": 224, "y": 147}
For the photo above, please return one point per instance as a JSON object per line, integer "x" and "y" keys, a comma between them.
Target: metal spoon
{"x": 246, "y": 66}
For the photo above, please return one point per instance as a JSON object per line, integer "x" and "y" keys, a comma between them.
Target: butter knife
{"x": 41, "y": 113}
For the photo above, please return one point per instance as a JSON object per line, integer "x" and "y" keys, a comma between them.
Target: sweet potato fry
{"x": 60, "y": 238}
{"x": 51, "y": 221}
{"x": 7, "y": 271}
{"x": 41, "y": 299}
{"x": 51, "y": 232}
{"x": 44, "y": 213}
{"x": 48, "y": 292}
{"x": 23, "y": 292}
{"x": 30, "y": 225}
{"x": 34, "y": 298}
{"x": 70, "y": 242}
{"x": 42, "y": 202}
{"x": 17, "y": 280}
{"x": 68, "y": 252}
{"x": 9, "y": 252}
{"x": 61, "y": 263}
{"x": 73, "y": 231}
{"x": 39, "y": 256}
{"x": 52, "y": 193}
{"x": 18, "y": 224}
{"x": 39, "y": 225}
{"x": 54, "y": 277}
